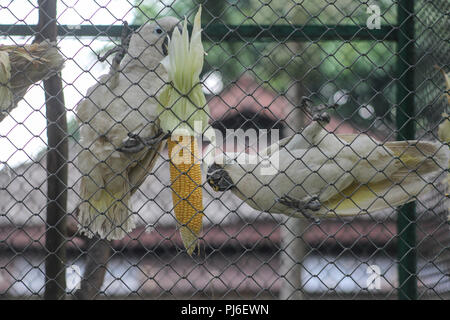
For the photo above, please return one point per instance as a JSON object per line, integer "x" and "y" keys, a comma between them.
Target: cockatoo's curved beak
{"x": 218, "y": 178}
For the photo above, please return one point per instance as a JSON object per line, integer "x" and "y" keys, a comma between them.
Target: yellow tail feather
{"x": 105, "y": 213}
{"x": 420, "y": 164}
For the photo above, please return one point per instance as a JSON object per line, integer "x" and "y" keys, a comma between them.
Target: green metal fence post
{"x": 406, "y": 224}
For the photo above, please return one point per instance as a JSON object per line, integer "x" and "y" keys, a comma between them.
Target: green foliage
{"x": 364, "y": 69}
{"x": 147, "y": 10}
{"x": 73, "y": 129}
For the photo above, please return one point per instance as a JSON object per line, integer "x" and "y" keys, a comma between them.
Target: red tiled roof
{"x": 247, "y": 95}
{"x": 237, "y": 235}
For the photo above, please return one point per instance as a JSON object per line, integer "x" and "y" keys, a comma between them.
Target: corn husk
{"x": 28, "y": 64}
{"x": 183, "y": 103}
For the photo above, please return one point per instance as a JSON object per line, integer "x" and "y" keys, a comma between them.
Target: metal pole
{"x": 55, "y": 236}
{"x": 221, "y": 32}
{"x": 292, "y": 255}
{"x": 406, "y": 219}
{"x": 293, "y": 247}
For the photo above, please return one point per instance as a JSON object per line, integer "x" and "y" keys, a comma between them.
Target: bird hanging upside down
{"x": 120, "y": 132}
{"x": 320, "y": 174}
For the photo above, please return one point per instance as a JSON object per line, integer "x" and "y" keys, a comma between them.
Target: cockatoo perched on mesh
{"x": 321, "y": 174}
{"x": 120, "y": 133}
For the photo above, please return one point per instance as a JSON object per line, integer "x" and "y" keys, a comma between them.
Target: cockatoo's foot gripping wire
{"x": 318, "y": 113}
{"x": 312, "y": 204}
{"x": 218, "y": 178}
{"x": 120, "y": 50}
{"x": 136, "y": 144}
{"x": 322, "y": 117}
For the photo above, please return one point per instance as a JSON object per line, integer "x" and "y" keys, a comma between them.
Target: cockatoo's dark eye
{"x": 158, "y": 30}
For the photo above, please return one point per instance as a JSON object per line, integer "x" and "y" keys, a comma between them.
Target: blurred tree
{"x": 319, "y": 69}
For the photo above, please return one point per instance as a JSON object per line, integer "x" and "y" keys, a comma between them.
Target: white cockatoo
{"x": 318, "y": 174}
{"x": 120, "y": 133}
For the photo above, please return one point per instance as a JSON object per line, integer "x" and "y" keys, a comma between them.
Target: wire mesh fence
{"x": 91, "y": 195}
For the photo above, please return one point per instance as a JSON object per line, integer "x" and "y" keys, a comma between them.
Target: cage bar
{"x": 55, "y": 261}
{"x": 221, "y": 32}
{"x": 407, "y": 261}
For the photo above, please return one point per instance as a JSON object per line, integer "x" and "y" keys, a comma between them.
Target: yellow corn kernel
{"x": 186, "y": 180}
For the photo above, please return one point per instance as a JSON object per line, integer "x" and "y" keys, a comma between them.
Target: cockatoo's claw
{"x": 131, "y": 145}
{"x": 305, "y": 102}
{"x": 288, "y": 201}
{"x": 108, "y": 53}
{"x": 136, "y": 144}
{"x": 322, "y": 117}
{"x": 218, "y": 178}
{"x": 318, "y": 112}
{"x": 312, "y": 204}
{"x": 119, "y": 50}
{"x": 164, "y": 136}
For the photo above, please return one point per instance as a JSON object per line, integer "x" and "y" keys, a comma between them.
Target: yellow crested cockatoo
{"x": 120, "y": 132}
{"x": 319, "y": 174}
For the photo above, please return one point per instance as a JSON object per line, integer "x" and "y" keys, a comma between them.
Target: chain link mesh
{"x": 262, "y": 58}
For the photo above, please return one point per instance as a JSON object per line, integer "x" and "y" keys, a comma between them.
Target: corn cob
{"x": 184, "y": 113}
{"x": 186, "y": 184}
